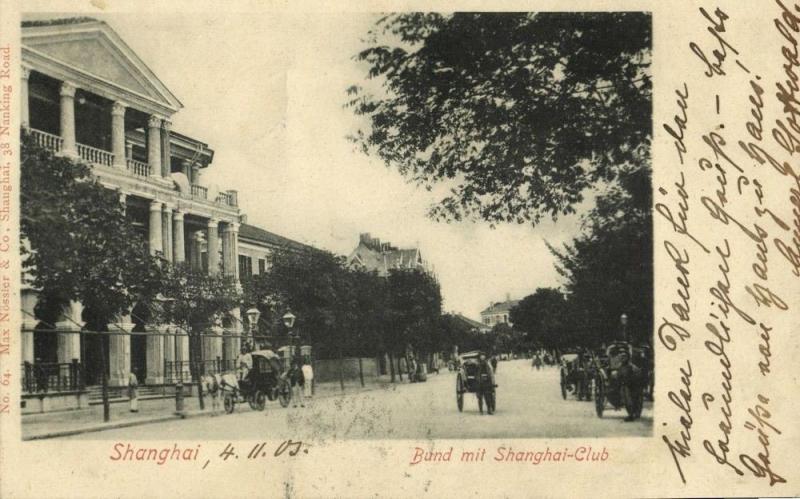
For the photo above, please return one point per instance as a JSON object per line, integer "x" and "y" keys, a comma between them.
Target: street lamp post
{"x": 624, "y": 320}
{"x": 288, "y": 321}
{"x": 253, "y": 315}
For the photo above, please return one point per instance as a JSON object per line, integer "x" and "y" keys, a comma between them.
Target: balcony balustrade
{"x": 95, "y": 155}
{"x": 199, "y": 191}
{"x": 139, "y": 168}
{"x": 47, "y": 140}
{"x": 226, "y": 199}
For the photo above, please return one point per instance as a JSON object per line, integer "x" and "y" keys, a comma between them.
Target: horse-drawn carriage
{"x": 265, "y": 380}
{"x": 620, "y": 379}
{"x": 470, "y": 379}
{"x": 576, "y": 375}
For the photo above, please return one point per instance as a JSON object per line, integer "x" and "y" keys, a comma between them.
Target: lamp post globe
{"x": 624, "y": 320}
{"x": 253, "y": 314}
{"x": 288, "y": 321}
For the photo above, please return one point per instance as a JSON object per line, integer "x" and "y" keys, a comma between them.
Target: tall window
{"x": 262, "y": 266}
{"x": 245, "y": 267}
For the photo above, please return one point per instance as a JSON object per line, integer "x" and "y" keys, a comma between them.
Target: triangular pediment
{"x": 95, "y": 50}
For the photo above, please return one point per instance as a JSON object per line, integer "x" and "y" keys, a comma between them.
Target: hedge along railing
{"x": 52, "y": 377}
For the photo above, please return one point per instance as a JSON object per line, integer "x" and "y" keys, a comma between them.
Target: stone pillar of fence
{"x": 119, "y": 351}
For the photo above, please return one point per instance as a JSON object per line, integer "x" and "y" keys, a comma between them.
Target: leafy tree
{"x": 608, "y": 270}
{"x": 196, "y": 301}
{"x": 307, "y": 282}
{"x": 77, "y": 243}
{"x": 542, "y": 316}
{"x": 415, "y": 304}
{"x": 519, "y": 113}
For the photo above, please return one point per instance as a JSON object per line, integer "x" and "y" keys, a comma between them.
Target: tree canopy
{"x": 519, "y": 113}
{"x": 77, "y": 243}
{"x": 608, "y": 270}
{"x": 543, "y": 317}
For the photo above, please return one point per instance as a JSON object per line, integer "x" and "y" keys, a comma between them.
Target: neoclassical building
{"x": 86, "y": 95}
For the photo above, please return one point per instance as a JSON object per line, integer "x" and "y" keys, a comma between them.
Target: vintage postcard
{"x": 399, "y": 249}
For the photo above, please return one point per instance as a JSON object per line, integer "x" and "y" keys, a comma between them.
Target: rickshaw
{"x": 266, "y": 380}
{"x": 467, "y": 381}
{"x": 576, "y": 375}
{"x": 619, "y": 380}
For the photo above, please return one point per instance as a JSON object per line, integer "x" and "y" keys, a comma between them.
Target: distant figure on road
{"x": 494, "y": 362}
{"x": 244, "y": 363}
{"x": 297, "y": 382}
{"x": 486, "y": 385}
{"x": 308, "y": 378}
{"x": 537, "y": 362}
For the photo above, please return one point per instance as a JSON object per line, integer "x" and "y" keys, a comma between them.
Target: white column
{"x": 156, "y": 244}
{"x": 212, "y": 343}
{"x": 182, "y": 350}
{"x": 169, "y": 346}
{"x": 233, "y": 343}
{"x": 154, "y": 145}
{"x": 118, "y": 134}
{"x": 166, "y": 231}
{"x": 24, "y": 113}
{"x": 179, "y": 253}
{"x": 165, "y": 149}
{"x": 68, "y": 119}
{"x": 155, "y": 359}
{"x": 212, "y": 242}
{"x": 119, "y": 351}
{"x": 29, "y": 299}
{"x": 123, "y": 200}
{"x": 69, "y": 344}
{"x": 230, "y": 251}
{"x": 195, "y": 258}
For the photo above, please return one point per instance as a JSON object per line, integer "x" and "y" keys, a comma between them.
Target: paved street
{"x": 529, "y": 406}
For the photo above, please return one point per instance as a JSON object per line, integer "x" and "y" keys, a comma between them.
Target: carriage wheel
{"x": 260, "y": 400}
{"x": 599, "y": 396}
{"x": 251, "y": 401}
{"x": 633, "y": 401}
{"x": 284, "y": 393}
{"x": 229, "y": 402}
{"x": 563, "y": 386}
{"x": 460, "y": 394}
{"x": 491, "y": 401}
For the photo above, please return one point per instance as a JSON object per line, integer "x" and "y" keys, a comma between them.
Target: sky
{"x": 267, "y": 93}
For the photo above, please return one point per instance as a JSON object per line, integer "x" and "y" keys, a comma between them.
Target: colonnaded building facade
{"x": 86, "y": 95}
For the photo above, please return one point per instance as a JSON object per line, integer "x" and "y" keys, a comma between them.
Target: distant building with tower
{"x": 380, "y": 256}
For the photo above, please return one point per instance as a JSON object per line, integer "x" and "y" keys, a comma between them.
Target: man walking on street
{"x": 486, "y": 385}
{"x": 308, "y": 378}
{"x": 297, "y": 382}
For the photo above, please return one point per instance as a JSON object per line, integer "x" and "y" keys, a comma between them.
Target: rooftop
{"x": 499, "y": 307}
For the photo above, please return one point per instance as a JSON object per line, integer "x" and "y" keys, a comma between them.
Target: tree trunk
{"x": 391, "y": 365}
{"x": 361, "y": 372}
{"x": 341, "y": 369}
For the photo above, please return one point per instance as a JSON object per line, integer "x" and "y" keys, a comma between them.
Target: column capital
{"x": 231, "y": 227}
{"x": 154, "y": 121}
{"x": 25, "y": 72}
{"x": 118, "y": 108}
{"x": 67, "y": 89}
{"x": 177, "y": 214}
{"x": 155, "y": 205}
{"x": 166, "y": 125}
{"x": 213, "y": 223}
{"x": 169, "y": 206}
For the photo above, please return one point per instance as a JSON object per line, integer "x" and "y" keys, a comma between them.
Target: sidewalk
{"x": 64, "y": 423}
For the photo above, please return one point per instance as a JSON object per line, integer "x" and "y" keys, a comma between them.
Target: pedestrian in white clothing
{"x": 308, "y": 378}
